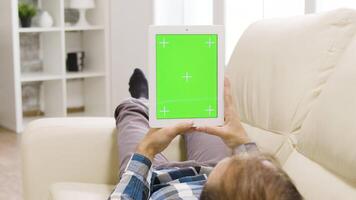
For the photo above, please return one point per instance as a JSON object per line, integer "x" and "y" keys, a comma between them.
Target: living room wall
{"x": 129, "y": 26}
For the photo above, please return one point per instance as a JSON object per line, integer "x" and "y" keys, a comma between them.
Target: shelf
{"x": 35, "y": 68}
{"x": 78, "y": 114}
{"x": 86, "y": 114}
{"x": 84, "y": 74}
{"x": 39, "y": 76}
{"x": 38, "y": 29}
{"x": 51, "y": 101}
{"x": 88, "y": 93}
{"x": 83, "y": 28}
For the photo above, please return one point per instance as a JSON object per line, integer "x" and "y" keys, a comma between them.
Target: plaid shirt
{"x": 141, "y": 182}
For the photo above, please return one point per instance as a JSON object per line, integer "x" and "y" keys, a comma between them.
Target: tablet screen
{"x": 186, "y": 76}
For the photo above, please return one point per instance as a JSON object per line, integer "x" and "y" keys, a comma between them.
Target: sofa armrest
{"x": 68, "y": 150}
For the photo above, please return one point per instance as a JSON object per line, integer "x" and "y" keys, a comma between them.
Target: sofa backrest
{"x": 328, "y": 135}
{"x": 280, "y": 66}
{"x": 295, "y": 78}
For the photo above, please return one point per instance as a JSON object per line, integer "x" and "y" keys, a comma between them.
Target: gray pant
{"x": 132, "y": 125}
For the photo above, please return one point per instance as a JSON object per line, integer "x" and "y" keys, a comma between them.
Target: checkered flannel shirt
{"x": 141, "y": 182}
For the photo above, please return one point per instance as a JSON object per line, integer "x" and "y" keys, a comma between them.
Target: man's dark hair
{"x": 256, "y": 177}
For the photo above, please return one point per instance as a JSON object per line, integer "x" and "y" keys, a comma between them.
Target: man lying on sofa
{"x": 223, "y": 163}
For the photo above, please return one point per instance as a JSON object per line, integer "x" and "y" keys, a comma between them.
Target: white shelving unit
{"x": 55, "y": 81}
{"x": 38, "y": 30}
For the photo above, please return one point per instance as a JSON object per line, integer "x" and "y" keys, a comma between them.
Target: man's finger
{"x": 192, "y": 129}
{"x": 228, "y": 100}
{"x": 212, "y": 130}
{"x": 154, "y": 129}
{"x": 229, "y": 104}
{"x": 182, "y": 127}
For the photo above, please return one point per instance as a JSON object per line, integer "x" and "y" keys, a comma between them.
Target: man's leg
{"x": 132, "y": 125}
{"x": 205, "y": 149}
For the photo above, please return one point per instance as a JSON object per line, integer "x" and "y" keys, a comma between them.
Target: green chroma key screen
{"x": 186, "y": 76}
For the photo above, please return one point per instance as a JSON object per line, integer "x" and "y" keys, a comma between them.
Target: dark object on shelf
{"x": 26, "y": 12}
{"x": 25, "y": 22}
{"x": 75, "y": 61}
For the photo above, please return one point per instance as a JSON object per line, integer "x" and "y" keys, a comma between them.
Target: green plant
{"x": 27, "y": 10}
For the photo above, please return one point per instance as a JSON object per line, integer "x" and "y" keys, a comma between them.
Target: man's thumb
{"x": 212, "y": 130}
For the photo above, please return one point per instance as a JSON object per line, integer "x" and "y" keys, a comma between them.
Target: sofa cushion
{"x": 279, "y": 66}
{"x": 267, "y": 141}
{"x": 280, "y": 146}
{"x": 328, "y": 135}
{"x": 68, "y": 150}
{"x": 176, "y": 150}
{"x": 78, "y": 191}
{"x": 315, "y": 182}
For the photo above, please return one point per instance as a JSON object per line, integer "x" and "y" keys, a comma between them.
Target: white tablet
{"x": 186, "y": 75}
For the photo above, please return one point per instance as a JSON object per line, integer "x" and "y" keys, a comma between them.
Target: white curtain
{"x": 239, "y": 14}
{"x": 183, "y": 12}
{"x": 325, "y": 5}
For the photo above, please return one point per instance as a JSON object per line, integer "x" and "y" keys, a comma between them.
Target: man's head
{"x": 249, "y": 177}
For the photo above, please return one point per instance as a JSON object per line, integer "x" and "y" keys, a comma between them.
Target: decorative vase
{"x": 45, "y": 20}
{"x": 31, "y": 99}
{"x": 25, "y": 21}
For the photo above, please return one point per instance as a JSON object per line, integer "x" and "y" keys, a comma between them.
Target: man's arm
{"x": 135, "y": 181}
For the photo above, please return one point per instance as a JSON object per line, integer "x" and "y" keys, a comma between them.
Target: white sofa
{"x": 295, "y": 86}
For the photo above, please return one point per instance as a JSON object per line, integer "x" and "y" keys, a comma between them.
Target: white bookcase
{"x": 55, "y": 81}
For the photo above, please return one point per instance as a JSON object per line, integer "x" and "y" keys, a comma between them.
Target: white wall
{"x": 129, "y": 26}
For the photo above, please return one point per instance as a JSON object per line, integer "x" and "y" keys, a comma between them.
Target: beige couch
{"x": 295, "y": 85}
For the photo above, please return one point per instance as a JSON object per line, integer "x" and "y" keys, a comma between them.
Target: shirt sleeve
{"x": 248, "y": 148}
{"x": 135, "y": 181}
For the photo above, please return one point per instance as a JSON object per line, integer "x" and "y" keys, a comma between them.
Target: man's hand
{"x": 156, "y": 140}
{"x": 232, "y": 133}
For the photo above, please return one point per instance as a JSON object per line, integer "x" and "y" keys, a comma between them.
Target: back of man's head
{"x": 252, "y": 177}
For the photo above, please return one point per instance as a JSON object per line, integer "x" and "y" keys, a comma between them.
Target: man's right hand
{"x": 232, "y": 132}
{"x": 156, "y": 140}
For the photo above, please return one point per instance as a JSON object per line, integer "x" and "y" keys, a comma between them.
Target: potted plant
{"x": 26, "y": 12}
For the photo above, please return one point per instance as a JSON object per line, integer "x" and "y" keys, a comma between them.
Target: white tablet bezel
{"x": 153, "y": 31}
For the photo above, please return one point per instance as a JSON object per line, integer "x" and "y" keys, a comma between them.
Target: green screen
{"x": 187, "y": 72}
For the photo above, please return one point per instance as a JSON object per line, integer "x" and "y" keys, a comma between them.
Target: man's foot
{"x": 138, "y": 85}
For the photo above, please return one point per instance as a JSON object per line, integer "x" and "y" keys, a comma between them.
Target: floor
{"x": 10, "y": 166}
